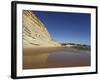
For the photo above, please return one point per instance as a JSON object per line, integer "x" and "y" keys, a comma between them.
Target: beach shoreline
{"x": 52, "y": 57}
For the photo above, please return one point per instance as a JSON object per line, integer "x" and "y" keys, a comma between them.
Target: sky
{"x": 67, "y": 27}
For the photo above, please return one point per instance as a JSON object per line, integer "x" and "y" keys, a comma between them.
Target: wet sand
{"x": 52, "y": 57}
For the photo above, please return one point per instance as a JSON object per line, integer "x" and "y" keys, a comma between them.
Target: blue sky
{"x": 67, "y": 27}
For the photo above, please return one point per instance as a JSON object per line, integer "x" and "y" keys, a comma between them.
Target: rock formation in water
{"x": 34, "y": 32}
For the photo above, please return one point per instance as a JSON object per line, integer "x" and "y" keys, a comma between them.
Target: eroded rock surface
{"x": 34, "y": 32}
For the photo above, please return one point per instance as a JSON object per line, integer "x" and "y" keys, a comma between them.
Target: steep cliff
{"x": 34, "y": 32}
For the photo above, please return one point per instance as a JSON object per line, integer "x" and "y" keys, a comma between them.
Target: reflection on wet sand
{"x": 52, "y": 57}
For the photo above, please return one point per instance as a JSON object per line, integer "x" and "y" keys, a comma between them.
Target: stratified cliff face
{"x": 34, "y": 32}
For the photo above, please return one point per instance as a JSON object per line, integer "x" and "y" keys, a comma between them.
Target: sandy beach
{"x": 52, "y": 57}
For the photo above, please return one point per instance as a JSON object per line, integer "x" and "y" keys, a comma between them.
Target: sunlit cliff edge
{"x": 35, "y": 33}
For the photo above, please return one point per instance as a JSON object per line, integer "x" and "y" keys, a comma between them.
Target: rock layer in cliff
{"x": 34, "y": 32}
